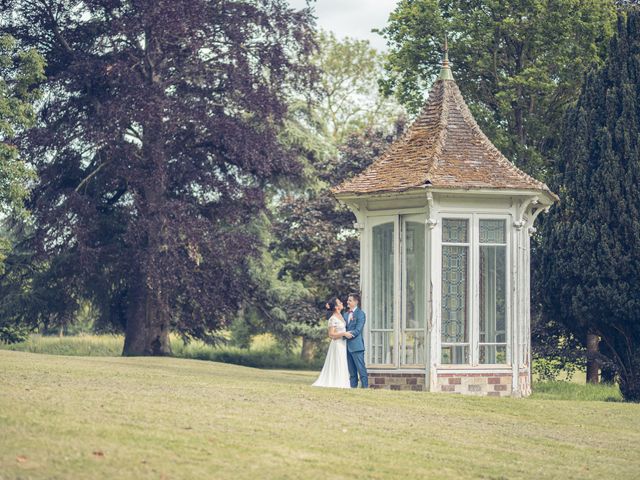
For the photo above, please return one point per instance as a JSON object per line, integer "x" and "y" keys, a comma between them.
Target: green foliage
{"x": 273, "y": 357}
{"x": 83, "y": 345}
{"x": 10, "y": 334}
{"x": 348, "y": 99}
{"x": 555, "y": 351}
{"x": 36, "y": 295}
{"x": 549, "y": 369}
{"x": 591, "y": 266}
{"x": 518, "y": 63}
{"x": 277, "y": 303}
{"x": 20, "y": 73}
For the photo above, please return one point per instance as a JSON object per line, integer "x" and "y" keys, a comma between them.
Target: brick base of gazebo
{"x": 397, "y": 381}
{"x": 482, "y": 384}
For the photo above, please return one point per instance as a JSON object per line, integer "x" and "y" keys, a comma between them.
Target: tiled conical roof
{"x": 443, "y": 148}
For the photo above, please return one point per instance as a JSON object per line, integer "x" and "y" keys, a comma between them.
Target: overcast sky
{"x": 352, "y": 18}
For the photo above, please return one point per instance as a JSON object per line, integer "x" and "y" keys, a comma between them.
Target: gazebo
{"x": 444, "y": 221}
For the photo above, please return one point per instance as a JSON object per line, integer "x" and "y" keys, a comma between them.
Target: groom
{"x": 355, "y": 319}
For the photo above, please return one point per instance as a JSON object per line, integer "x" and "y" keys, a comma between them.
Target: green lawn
{"x": 110, "y": 417}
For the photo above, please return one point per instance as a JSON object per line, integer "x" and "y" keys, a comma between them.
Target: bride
{"x": 335, "y": 372}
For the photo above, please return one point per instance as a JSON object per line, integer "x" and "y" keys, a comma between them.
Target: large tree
{"x": 155, "y": 142}
{"x": 591, "y": 266}
{"x": 519, "y": 63}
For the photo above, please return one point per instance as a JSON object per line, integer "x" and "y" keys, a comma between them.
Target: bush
{"x": 555, "y": 350}
{"x": 13, "y": 334}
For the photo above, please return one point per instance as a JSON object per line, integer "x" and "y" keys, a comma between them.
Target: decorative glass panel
{"x": 455, "y": 230}
{"x": 414, "y": 348}
{"x": 493, "y": 354}
{"x": 382, "y": 294}
{"x": 492, "y": 231}
{"x": 414, "y": 275}
{"x": 454, "y": 294}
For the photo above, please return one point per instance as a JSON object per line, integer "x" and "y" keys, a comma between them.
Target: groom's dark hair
{"x": 356, "y": 297}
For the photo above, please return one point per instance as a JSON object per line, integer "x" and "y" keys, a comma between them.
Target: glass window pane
{"x": 382, "y": 277}
{"x": 455, "y": 230}
{"x": 381, "y": 349}
{"x": 493, "y": 354}
{"x": 492, "y": 231}
{"x": 454, "y": 354}
{"x": 382, "y": 271}
{"x": 415, "y": 290}
{"x": 455, "y": 325}
{"x": 493, "y": 294}
{"x": 414, "y": 348}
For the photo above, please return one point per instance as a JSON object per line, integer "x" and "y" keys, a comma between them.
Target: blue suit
{"x": 355, "y": 348}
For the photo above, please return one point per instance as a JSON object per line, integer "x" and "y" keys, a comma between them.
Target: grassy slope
{"x": 93, "y": 417}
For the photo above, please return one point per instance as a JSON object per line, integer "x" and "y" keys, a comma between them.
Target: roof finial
{"x": 445, "y": 70}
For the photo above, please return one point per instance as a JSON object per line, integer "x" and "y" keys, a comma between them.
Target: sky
{"x": 352, "y": 18}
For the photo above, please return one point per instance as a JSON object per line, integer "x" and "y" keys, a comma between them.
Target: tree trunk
{"x": 147, "y": 331}
{"x": 593, "y": 365}
{"x": 308, "y": 349}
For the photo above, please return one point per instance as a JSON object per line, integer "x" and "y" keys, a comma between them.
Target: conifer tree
{"x": 591, "y": 264}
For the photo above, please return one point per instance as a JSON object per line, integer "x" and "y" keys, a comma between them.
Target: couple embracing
{"x": 345, "y": 358}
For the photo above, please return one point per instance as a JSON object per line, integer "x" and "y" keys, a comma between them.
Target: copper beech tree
{"x": 154, "y": 145}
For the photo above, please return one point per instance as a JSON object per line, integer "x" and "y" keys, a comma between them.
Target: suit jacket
{"x": 356, "y": 327}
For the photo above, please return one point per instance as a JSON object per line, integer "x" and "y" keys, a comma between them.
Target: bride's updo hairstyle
{"x": 331, "y": 306}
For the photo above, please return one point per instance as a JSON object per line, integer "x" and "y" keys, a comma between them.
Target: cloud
{"x": 352, "y": 18}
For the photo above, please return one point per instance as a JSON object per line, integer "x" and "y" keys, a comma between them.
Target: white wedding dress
{"x": 335, "y": 372}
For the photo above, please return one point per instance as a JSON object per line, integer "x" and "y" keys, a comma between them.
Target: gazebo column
{"x": 521, "y": 335}
{"x": 518, "y": 315}
{"x": 434, "y": 270}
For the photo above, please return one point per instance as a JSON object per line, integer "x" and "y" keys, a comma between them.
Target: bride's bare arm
{"x": 334, "y": 335}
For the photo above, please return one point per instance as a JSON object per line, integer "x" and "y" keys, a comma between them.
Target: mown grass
{"x": 136, "y": 418}
{"x": 263, "y": 353}
{"x": 563, "y": 390}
